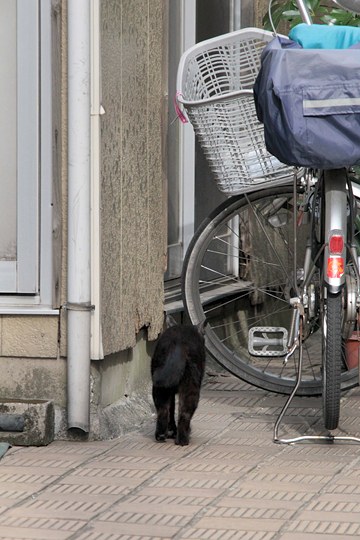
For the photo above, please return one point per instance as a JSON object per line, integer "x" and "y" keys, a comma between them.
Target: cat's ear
{"x": 201, "y": 327}
{"x": 169, "y": 321}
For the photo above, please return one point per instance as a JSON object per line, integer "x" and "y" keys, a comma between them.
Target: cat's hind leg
{"x": 162, "y": 400}
{"x": 188, "y": 402}
{"x": 172, "y": 424}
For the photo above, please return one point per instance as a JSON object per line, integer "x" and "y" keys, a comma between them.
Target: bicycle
{"x": 255, "y": 267}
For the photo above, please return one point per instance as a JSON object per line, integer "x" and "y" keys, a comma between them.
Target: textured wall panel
{"x": 132, "y": 217}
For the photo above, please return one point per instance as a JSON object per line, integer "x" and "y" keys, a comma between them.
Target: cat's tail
{"x": 170, "y": 373}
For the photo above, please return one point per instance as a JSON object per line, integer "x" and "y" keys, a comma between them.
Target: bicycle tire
{"x": 332, "y": 351}
{"x": 226, "y": 313}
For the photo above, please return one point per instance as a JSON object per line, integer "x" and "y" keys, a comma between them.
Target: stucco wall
{"x": 133, "y": 221}
{"x": 261, "y": 8}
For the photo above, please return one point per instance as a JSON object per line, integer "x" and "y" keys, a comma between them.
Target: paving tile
{"x": 315, "y": 536}
{"x": 38, "y": 528}
{"x": 60, "y": 509}
{"x": 191, "y": 481}
{"x": 136, "y": 529}
{"x": 43, "y": 463}
{"x": 130, "y": 462}
{"x": 149, "y": 518}
{"x": 335, "y": 516}
{"x": 88, "y": 535}
{"x": 262, "y": 503}
{"x": 106, "y": 491}
{"x": 239, "y": 524}
{"x": 148, "y": 508}
{"x": 218, "y": 534}
{"x": 284, "y": 478}
{"x": 312, "y": 467}
{"x": 231, "y": 482}
{"x": 66, "y": 448}
{"x": 318, "y": 451}
{"x": 92, "y": 472}
{"x": 272, "y": 492}
{"x": 250, "y": 511}
{"x": 98, "y": 481}
{"x": 164, "y": 500}
{"x": 328, "y": 527}
{"x": 209, "y": 466}
{"x": 23, "y": 473}
{"x": 196, "y": 493}
{"x": 348, "y": 489}
{"x": 336, "y": 500}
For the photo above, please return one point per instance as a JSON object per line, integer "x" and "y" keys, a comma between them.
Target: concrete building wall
{"x": 133, "y": 224}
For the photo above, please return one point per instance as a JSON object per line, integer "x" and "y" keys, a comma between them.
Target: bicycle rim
{"x": 239, "y": 274}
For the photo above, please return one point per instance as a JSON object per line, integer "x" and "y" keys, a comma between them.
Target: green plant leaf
{"x": 291, "y": 13}
{"x": 320, "y": 11}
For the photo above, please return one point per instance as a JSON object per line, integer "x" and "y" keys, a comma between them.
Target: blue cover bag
{"x": 309, "y": 103}
{"x": 323, "y": 36}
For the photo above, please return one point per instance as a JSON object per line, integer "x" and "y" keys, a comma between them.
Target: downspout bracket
{"x": 79, "y": 306}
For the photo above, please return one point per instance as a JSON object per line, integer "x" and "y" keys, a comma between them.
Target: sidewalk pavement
{"x": 231, "y": 482}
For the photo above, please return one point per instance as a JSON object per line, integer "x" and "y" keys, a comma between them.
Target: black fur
{"x": 177, "y": 367}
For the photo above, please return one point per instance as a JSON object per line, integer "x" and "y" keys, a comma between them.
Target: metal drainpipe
{"x": 79, "y": 223}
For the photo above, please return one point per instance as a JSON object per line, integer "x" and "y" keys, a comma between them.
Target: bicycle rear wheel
{"x": 332, "y": 350}
{"x": 239, "y": 274}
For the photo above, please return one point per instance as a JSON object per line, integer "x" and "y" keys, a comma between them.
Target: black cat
{"x": 177, "y": 367}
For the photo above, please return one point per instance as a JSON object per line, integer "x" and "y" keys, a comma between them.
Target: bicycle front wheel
{"x": 332, "y": 350}
{"x": 239, "y": 274}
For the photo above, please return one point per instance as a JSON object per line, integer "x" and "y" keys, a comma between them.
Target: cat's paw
{"x": 172, "y": 432}
{"x": 182, "y": 440}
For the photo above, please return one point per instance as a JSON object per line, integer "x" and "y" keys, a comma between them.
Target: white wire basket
{"x": 214, "y": 82}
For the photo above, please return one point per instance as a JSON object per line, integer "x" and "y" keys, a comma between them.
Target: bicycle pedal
{"x": 268, "y": 341}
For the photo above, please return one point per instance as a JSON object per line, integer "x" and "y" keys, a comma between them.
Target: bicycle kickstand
{"x": 314, "y": 438}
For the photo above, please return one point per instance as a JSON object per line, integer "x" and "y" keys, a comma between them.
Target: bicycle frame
{"x": 336, "y": 203}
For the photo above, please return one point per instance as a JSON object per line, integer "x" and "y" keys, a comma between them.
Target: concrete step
{"x": 26, "y": 422}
